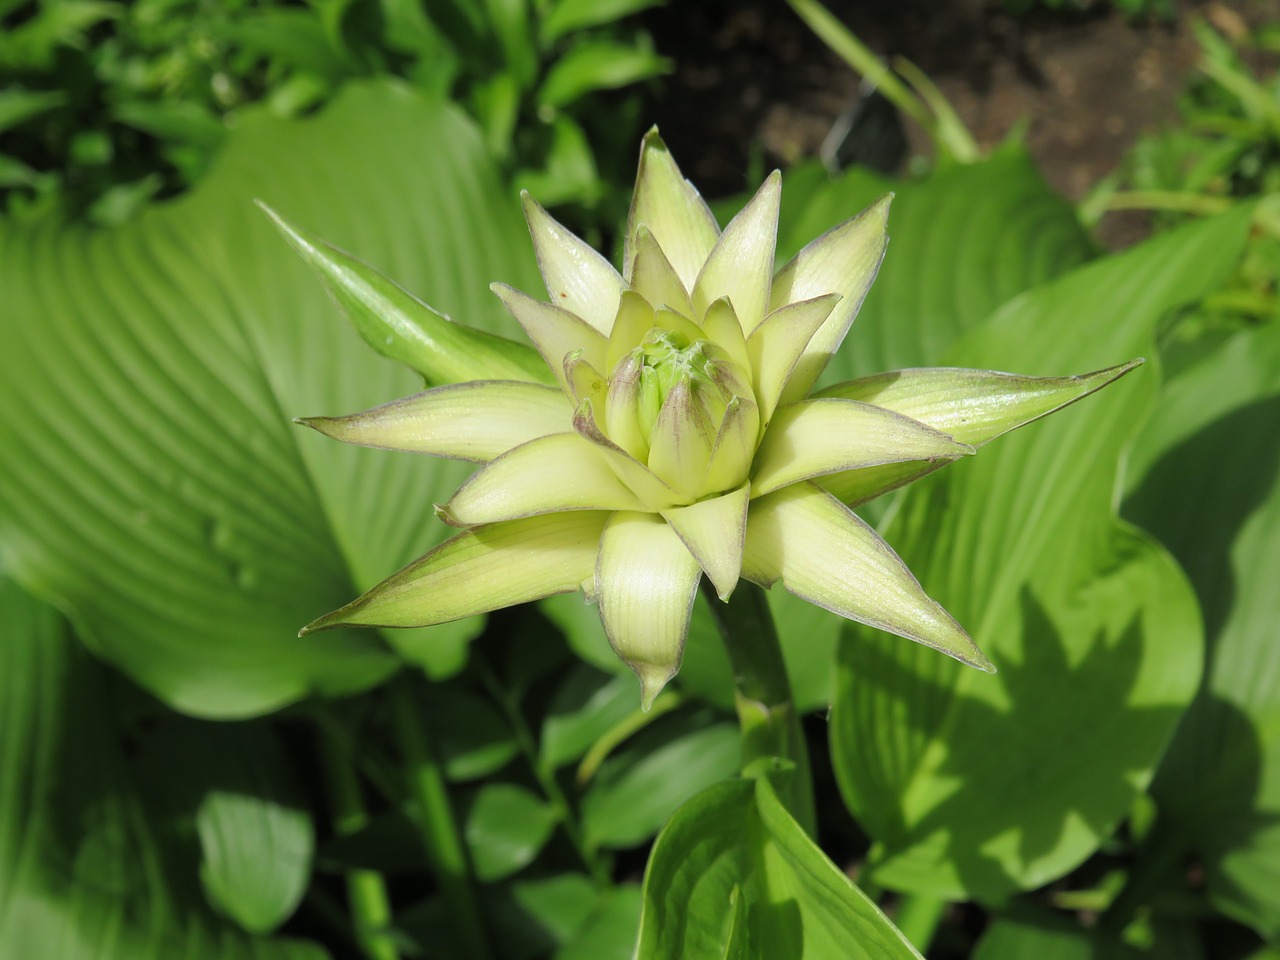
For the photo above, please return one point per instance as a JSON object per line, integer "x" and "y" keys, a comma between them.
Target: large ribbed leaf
{"x": 978, "y": 785}
{"x": 961, "y": 243}
{"x": 83, "y": 875}
{"x": 1206, "y": 481}
{"x": 733, "y": 876}
{"x": 152, "y": 484}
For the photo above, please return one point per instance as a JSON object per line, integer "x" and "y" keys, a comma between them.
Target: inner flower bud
{"x": 668, "y": 401}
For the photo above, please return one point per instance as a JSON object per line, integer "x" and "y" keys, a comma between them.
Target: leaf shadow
{"x": 1057, "y": 762}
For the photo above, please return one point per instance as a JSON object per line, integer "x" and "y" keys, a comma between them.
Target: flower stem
{"x": 366, "y": 890}
{"x": 762, "y": 694}
{"x": 434, "y": 816}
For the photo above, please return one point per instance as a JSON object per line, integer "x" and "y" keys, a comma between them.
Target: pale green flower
{"x": 679, "y": 441}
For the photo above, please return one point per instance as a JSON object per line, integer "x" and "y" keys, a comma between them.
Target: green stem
{"x": 918, "y": 918}
{"x": 762, "y": 694}
{"x": 1176, "y": 201}
{"x": 546, "y": 778}
{"x": 366, "y": 890}
{"x": 435, "y": 819}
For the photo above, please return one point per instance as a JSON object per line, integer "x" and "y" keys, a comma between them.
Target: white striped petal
{"x": 673, "y": 210}
{"x": 823, "y": 553}
{"x": 714, "y": 531}
{"x": 474, "y": 421}
{"x": 646, "y": 581}
{"x": 547, "y": 475}
{"x": 776, "y": 345}
{"x": 827, "y": 436}
{"x": 653, "y": 277}
{"x": 577, "y": 278}
{"x": 974, "y": 406}
{"x": 741, "y": 264}
{"x": 481, "y": 569}
{"x": 843, "y": 260}
{"x": 555, "y": 332}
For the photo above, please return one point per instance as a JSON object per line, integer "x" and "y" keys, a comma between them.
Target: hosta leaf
{"x": 153, "y": 485}
{"x": 976, "y": 786}
{"x": 1206, "y": 482}
{"x": 961, "y": 243}
{"x": 733, "y": 875}
{"x": 83, "y": 875}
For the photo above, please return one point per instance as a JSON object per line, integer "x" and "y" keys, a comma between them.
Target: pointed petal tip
{"x": 444, "y": 515}
{"x": 653, "y": 678}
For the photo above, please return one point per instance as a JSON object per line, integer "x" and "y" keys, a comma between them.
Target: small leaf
{"x": 505, "y": 827}
{"x": 598, "y": 65}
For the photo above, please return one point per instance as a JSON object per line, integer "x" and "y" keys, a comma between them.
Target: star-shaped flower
{"x": 680, "y": 439}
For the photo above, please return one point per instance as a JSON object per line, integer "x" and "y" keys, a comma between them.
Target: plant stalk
{"x": 366, "y": 890}
{"x": 762, "y": 694}
{"x": 441, "y": 837}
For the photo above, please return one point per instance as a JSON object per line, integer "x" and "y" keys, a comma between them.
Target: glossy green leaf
{"x": 976, "y": 786}
{"x": 961, "y": 243}
{"x": 84, "y": 875}
{"x": 597, "y": 65}
{"x": 505, "y": 827}
{"x": 736, "y": 840}
{"x": 155, "y": 486}
{"x": 1206, "y": 482}
{"x": 567, "y": 16}
{"x": 609, "y": 932}
{"x": 636, "y": 789}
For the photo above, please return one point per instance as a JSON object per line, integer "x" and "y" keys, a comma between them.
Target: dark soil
{"x": 750, "y": 74}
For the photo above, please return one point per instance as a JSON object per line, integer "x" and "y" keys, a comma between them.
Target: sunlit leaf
{"x": 1206, "y": 482}
{"x": 154, "y": 485}
{"x": 977, "y": 785}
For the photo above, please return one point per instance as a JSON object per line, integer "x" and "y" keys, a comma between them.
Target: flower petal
{"x": 653, "y": 277}
{"x": 720, "y": 324}
{"x": 843, "y": 260}
{"x": 577, "y": 278}
{"x": 481, "y": 569}
{"x": 714, "y": 531}
{"x": 827, "y": 436}
{"x": 681, "y": 442}
{"x": 776, "y": 345}
{"x": 673, "y": 210}
{"x": 584, "y": 380}
{"x": 554, "y": 331}
{"x": 823, "y": 553}
{"x": 735, "y": 443}
{"x": 646, "y": 581}
{"x": 465, "y": 421}
{"x": 974, "y": 406}
{"x": 653, "y": 492}
{"x": 547, "y": 475}
{"x": 634, "y": 320}
{"x": 741, "y": 264}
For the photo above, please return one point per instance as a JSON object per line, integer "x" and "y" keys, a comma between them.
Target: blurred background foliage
{"x": 181, "y": 777}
